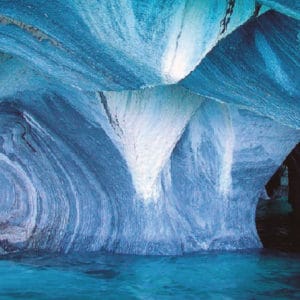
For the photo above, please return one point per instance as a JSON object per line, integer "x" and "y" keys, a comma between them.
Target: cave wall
{"x": 99, "y": 152}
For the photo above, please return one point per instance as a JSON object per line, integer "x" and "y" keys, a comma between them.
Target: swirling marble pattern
{"x": 46, "y": 180}
{"x": 93, "y": 44}
{"x": 91, "y": 159}
{"x": 67, "y": 186}
{"x": 260, "y": 72}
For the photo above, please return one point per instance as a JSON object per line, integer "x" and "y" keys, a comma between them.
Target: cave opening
{"x": 278, "y": 210}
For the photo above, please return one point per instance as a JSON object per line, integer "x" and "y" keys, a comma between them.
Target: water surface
{"x": 231, "y": 275}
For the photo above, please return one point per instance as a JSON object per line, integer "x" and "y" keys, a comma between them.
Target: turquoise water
{"x": 234, "y": 275}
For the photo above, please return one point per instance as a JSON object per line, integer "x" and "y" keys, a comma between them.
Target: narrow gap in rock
{"x": 278, "y": 212}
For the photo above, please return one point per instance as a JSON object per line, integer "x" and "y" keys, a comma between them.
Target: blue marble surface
{"x": 108, "y": 142}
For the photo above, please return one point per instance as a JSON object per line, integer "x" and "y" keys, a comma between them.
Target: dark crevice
{"x": 257, "y": 10}
{"x": 23, "y": 136}
{"x": 278, "y": 217}
{"x": 114, "y": 122}
{"x": 229, "y": 11}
